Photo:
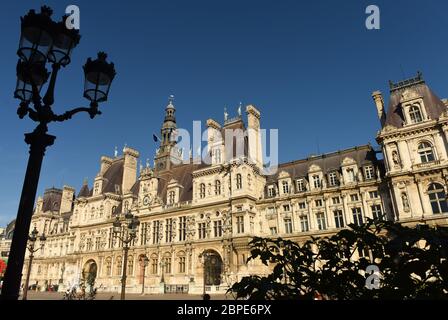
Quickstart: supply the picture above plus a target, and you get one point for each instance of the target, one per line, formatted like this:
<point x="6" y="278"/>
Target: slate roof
<point x="52" y="200"/>
<point x="362" y="155"/>
<point x="433" y="104"/>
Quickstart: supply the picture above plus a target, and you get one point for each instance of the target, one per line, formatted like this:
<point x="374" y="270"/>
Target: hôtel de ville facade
<point x="188" y="209"/>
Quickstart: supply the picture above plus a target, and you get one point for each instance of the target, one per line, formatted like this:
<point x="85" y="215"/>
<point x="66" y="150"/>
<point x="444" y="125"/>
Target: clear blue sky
<point x="309" y="67"/>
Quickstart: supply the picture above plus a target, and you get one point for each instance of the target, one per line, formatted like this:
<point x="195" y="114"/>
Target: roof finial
<point x="125" y="146"/>
<point x="147" y="162"/>
<point x="239" y="108"/>
<point x="226" y="115"/>
<point x="141" y="165"/>
<point x="85" y="181"/>
<point x="171" y="99"/>
<point x="115" y="152"/>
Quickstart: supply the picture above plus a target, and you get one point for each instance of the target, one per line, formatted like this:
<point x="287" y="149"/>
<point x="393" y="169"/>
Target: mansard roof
<point x="183" y="173"/>
<point x="84" y="192"/>
<point x="113" y="176"/>
<point x="433" y="104"/>
<point x="52" y="200"/>
<point x="328" y="162"/>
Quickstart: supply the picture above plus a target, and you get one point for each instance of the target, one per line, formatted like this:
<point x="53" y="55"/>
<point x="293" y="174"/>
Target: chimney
<point x="379" y="102"/>
<point x="129" y="169"/>
<point x="68" y="194"/>
<point x="214" y="140"/>
<point x="105" y="164"/>
<point x="254" y="135"/>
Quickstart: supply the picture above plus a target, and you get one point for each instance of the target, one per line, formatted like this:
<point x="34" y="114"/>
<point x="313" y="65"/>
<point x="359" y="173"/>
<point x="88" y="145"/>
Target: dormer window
<point x="300" y="185"/>
<point x="415" y="114"/>
<point x="351" y="175"/>
<point x="271" y="191"/>
<point x="217" y="187"/>
<point x="316" y="181"/>
<point x="368" y="172"/>
<point x="333" y="179"/>
<point x="425" y="151"/>
<point x="171" y="197"/>
<point x="285" y="186"/>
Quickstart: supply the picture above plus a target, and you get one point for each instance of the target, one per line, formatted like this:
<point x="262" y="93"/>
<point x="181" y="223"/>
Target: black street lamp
<point x="205" y="257"/>
<point x="32" y="238"/>
<point x="126" y="236"/>
<point x="144" y="261"/>
<point x="44" y="41"/>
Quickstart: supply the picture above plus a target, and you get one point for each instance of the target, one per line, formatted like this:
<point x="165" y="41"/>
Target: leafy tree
<point x="412" y="264"/>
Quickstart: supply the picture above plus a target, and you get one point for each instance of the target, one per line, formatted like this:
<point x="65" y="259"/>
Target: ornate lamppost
<point x="44" y="41"/>
<point x="32" y="238"/>
<point x="205" y="256"/>
<point x="144" y="261"/>
<point x="126" y="235"/>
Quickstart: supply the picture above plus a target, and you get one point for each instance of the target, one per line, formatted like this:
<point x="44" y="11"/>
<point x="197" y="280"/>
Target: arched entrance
<point x="212" y="268"/>
<point x="89" y="273"/>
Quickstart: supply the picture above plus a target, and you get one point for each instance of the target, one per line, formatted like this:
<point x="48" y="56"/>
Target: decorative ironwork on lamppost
<point x="44" y="41"/>
<point x="32" y="238"/>
<point x="144" y="261"/>
<point x="126" y="235"/>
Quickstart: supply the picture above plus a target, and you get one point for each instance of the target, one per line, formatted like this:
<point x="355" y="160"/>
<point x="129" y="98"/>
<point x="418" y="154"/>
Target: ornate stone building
<point x="191" y="208"/>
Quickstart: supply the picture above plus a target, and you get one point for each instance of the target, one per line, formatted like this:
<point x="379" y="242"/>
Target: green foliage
<point x="412" y="262"/>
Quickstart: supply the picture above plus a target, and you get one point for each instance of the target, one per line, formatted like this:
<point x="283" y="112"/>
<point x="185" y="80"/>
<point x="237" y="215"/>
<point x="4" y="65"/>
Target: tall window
<point x="415" y="114"/>
<point x="217" y="228"/>
<point x="108" y="266"/>
<point x="357" y="216"/>
<point x="351" y="175"/>
<point x="217" y="187"/>
<point x="118" y="266"/>
<point x="143" y="233"/>
<point x="288" y="225"/>
<point x="155" y="231"/>
<point x="154" y="263"/>
<point x="425" y="151"/>
<point x="182" y="228"/>
<point x="271" y="191"/>
<point x="202" y="230"/>
<point x="332" y="179"/>
<point x="239" y="181"/>
<point x="376" y="212"/>
<point x="171" y="196"/>
<point x="240" y="224"/>
<point x="217" y="155"/>
<point x="167" y="263"/>
<point x="437" y="198"/>
<point x="304" y="225"/>
<point x="300" y="185"/>
<point x="368" y="172"/>
<point x="285" y="186"/>
<point x="321" y="222"/>
<point x="316" y="181"/>
<point x="182" y="264"/>
<point x="130" y="269"/>
<point x="202" y="190"/>
<point x="169" y="230"/>
<point x="338" y="218"/>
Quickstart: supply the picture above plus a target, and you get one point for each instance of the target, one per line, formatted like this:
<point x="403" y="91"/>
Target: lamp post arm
<point x="92" y="111"/>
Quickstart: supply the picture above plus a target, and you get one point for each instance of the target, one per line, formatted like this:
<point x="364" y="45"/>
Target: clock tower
<point x="167" y="152"/>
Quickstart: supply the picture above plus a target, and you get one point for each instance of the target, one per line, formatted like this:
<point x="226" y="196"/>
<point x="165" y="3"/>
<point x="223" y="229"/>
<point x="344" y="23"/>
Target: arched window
<point x="249" y="180"/>
<point x="239" y="182"/>
<point x="108" y="266"/>
<point x="118" y="266"/>
<point x="217" y="187"/>
<point x="202" y="190"/>
<point x="425" y="151"/>
<point x="130" y="270"/>
<point x="437" y="198"/>
<point x="415" y="114"/>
